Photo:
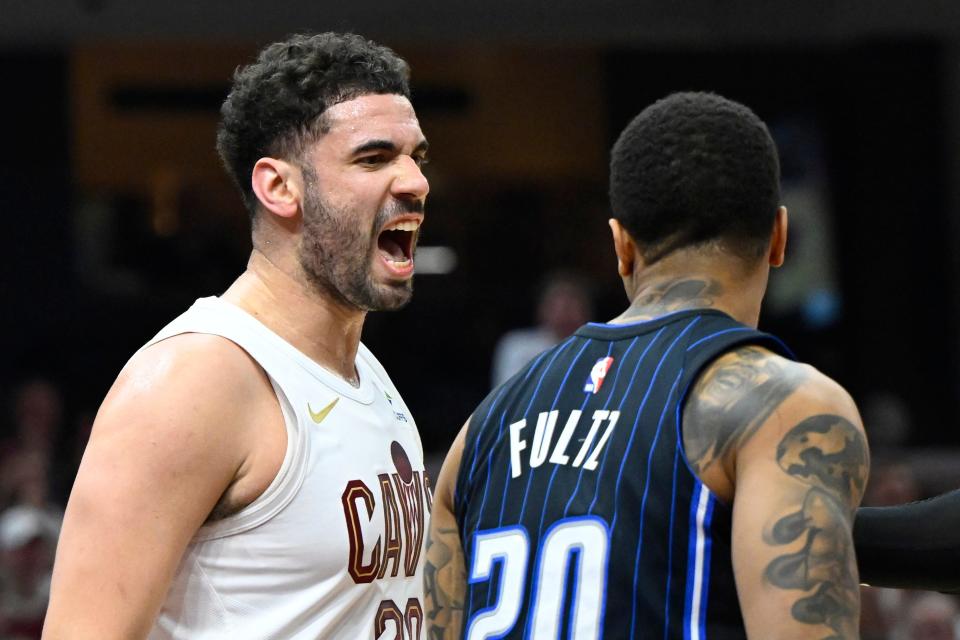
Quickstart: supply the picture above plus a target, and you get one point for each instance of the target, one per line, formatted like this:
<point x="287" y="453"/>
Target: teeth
<point x="404" y="225"/>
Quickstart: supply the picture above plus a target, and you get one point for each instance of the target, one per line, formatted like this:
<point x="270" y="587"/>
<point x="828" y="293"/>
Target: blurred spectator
<point x="30" y="517"/>
<point x="931" y="616"/>
<point x="28" y="462"/>
<point x="891" y="483"/>
<point x="28" y="538"/>
<point x="563" y="306"/>
<point x="874" y="624"/>
<point x="37" y="412"/>
<point x="887" y="420"/>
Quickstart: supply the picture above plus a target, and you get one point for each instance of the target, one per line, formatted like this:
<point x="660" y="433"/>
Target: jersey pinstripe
<point x="579" y="514"/>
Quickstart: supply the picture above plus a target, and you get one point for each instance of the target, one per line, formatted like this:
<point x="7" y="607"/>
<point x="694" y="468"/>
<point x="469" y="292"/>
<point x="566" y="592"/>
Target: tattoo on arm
<point x="731" y="401"/>
<point x="829" y="456"/>
<point x="444" y="581"/>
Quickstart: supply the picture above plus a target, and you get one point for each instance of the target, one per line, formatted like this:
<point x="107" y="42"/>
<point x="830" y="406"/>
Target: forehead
<point x="383" y="117"/>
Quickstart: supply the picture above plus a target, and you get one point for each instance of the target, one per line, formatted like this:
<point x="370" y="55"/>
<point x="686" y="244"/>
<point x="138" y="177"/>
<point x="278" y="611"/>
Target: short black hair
<point x="276" y="103"/>
<point x="694" y="168"/>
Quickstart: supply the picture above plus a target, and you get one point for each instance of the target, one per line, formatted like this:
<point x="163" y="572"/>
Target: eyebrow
<point x="387" y="145"/>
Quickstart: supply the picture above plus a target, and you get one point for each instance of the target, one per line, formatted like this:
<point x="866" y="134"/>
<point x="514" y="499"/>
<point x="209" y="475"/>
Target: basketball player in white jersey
<point x="253" y="473"/>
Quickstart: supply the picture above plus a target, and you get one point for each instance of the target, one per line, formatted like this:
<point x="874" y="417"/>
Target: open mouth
<point x="396" y="244"/>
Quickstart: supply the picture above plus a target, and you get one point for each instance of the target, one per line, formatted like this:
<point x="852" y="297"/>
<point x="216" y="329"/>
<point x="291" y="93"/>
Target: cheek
<point x="356" y="213"/>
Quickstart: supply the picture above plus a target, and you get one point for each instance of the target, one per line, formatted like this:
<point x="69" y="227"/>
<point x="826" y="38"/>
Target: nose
<point x="410" y="182"/>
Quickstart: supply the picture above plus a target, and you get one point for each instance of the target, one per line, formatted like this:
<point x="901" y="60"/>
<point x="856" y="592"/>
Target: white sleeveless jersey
<point x="332" y="548"/>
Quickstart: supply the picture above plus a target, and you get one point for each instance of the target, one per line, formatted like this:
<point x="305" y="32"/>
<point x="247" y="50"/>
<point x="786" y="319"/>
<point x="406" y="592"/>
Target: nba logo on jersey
<point x="597" y="374"/>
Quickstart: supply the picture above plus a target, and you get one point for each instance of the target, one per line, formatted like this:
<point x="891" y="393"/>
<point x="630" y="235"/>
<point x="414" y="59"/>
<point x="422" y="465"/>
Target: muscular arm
<point x="785" y="445"/>
<point x="167" y="443"/>
<point x="911" y="546"/>
<point x="444" y="576"/>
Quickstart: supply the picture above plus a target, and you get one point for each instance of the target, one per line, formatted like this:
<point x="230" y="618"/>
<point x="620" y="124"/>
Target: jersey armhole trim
<point x="281" y="490"/>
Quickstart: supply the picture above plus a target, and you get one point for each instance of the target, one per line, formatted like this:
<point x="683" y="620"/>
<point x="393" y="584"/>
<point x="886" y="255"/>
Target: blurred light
<point x="437" y="260"/>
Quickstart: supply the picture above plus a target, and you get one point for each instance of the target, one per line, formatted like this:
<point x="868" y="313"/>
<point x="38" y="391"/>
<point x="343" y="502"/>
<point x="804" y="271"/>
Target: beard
<point x="337" y="254"/>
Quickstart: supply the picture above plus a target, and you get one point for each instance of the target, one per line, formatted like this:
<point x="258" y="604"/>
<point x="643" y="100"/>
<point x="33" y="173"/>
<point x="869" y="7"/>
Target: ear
<point x="778" y="240"/>
<point x="278" y="186"/>
<point x="625" y="248"/>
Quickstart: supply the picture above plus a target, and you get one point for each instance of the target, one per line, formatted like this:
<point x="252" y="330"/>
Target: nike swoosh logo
<point x="323" y="413"/>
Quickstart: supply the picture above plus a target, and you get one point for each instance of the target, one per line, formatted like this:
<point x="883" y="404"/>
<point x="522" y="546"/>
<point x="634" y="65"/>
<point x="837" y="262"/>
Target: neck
<point x="698" y="284"/>
<point x="323" y="328"/>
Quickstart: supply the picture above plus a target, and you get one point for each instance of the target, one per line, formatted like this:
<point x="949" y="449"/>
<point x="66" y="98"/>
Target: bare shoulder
<point x="182" y="408"/>
<point x="817" y="438"/>
<point x="206" y="368"/>
<point x="173" y="440"/>
<point x="743" y="392"/>
<point x="732" y="398"/>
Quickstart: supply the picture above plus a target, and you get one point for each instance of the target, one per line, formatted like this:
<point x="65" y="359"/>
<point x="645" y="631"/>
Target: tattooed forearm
<point x="829" y="456"/>
<point x="444" y="582"/>
<point x="731" y="401"/>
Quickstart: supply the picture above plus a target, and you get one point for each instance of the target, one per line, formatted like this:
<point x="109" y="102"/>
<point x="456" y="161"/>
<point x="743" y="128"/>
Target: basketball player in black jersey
<point x="673" y="473"/>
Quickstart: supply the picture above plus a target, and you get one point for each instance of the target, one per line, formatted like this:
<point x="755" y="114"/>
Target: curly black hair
<point x="695" y="168"/>
<point x="276" y="103"/>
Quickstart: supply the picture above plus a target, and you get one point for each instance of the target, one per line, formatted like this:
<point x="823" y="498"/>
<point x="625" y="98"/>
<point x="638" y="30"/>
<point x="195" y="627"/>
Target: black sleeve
<point x="912" y="546"/>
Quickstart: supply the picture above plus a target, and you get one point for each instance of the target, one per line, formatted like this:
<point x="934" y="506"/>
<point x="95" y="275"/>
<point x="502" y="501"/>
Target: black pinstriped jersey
<point x="579" y="514"/>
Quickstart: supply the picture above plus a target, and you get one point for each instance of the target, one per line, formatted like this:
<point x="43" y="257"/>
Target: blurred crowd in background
<point x="39" y="454"/>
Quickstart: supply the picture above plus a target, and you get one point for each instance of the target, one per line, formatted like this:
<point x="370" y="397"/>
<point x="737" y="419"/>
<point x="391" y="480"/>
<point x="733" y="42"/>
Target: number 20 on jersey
<point x="579" y="543"/>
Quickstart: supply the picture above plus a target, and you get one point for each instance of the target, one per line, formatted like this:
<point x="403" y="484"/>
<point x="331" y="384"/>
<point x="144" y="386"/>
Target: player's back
<point x="579" y="514"/>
